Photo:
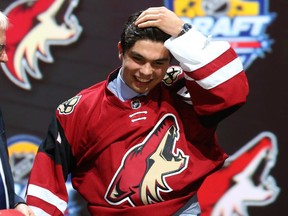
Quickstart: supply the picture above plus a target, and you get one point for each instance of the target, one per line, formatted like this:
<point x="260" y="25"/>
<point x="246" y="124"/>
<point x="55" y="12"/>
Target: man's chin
<point x="141" y="90"/>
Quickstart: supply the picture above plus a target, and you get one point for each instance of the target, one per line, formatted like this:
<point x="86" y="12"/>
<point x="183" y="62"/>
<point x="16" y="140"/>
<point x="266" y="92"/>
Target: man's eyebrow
<point x="136" y="54"/>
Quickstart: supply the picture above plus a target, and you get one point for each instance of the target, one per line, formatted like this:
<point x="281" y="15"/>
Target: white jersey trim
<point x="47" y="196"/>
<point x="221" y="75"/>
<point x="194" y="50"/>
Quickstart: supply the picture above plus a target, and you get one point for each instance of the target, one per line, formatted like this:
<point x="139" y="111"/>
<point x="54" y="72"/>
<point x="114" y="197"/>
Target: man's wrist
<point x="185" y="28"/>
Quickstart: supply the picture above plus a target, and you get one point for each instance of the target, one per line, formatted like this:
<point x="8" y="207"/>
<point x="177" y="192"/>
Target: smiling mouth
<point x="142" y="80"/>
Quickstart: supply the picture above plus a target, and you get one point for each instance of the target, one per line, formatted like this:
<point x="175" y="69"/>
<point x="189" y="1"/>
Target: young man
<point x="143" y="141"/>
<point x="8" y="198"/>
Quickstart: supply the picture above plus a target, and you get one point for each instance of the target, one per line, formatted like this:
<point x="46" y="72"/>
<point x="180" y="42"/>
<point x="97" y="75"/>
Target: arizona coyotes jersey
<point x="142" y="156"/>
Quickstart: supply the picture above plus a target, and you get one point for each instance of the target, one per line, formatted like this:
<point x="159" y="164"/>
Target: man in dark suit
<point x="8" y="198"/>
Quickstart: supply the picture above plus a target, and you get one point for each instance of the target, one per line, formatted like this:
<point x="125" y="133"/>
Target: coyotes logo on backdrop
<point x="141" y="177"/>
<point x="244" y="180"/>
<point x="34" y="27"/>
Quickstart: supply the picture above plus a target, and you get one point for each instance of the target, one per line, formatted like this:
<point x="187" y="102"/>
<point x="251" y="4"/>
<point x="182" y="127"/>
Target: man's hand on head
<point x="162" y="18"/>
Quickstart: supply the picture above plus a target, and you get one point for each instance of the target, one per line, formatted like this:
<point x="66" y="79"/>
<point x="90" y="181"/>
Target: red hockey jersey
<point x="145" y="155"/>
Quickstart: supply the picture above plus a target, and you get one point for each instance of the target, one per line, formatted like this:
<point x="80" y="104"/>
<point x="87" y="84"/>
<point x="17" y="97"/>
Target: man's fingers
<point x="152" y="13"/>
<point x="161" y="18"/>
<point x="147" y="17"/>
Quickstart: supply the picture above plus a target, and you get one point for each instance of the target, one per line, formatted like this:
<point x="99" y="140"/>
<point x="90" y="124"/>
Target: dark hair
<point x="131" y="33"/>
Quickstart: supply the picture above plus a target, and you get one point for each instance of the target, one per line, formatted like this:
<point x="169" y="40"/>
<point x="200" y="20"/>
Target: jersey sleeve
<point x="46" y="191"/>
<point x="214" y="74"/>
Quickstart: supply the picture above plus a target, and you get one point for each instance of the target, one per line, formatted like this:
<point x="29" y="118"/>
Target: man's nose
<point x="3" y="57"/>
<point x="146" y="69"/>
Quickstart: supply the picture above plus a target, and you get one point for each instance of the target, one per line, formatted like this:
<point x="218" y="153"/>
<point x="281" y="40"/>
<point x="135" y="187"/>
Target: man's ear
<point x="120" y="51"/>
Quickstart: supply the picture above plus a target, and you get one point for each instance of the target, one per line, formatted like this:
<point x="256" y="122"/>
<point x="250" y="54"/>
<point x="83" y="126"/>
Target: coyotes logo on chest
<point x="141" y="177"/>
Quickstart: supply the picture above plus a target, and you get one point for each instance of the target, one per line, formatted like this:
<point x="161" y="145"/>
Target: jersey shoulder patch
<point x="172" y="75"/>
<point x="68" y="106"/>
